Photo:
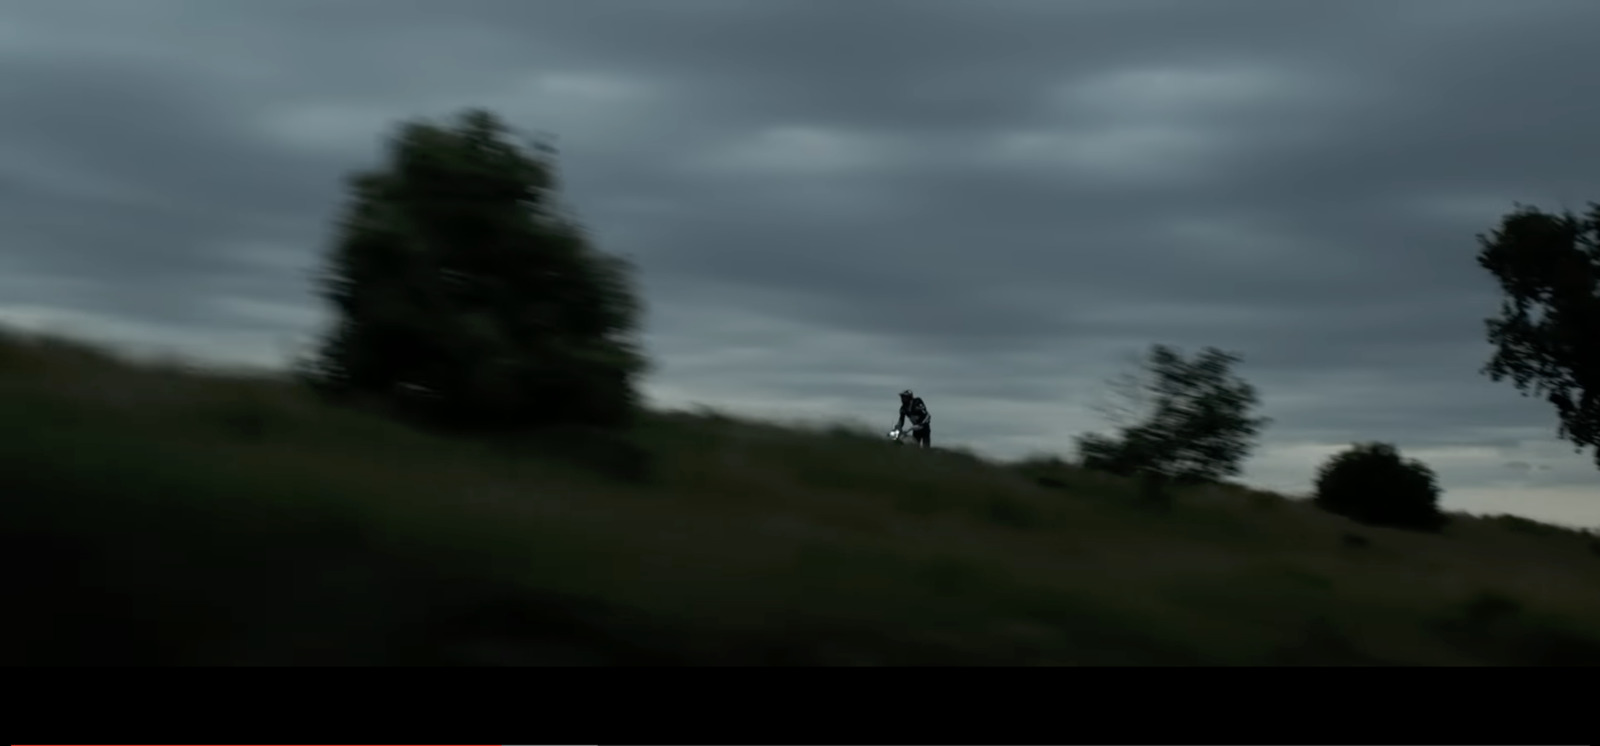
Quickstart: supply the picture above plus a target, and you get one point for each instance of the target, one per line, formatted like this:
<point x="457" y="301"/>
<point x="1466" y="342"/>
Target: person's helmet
<point x="906" y="394"/>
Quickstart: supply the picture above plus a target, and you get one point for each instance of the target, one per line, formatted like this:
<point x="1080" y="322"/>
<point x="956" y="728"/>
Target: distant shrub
<point x="1371" y="484"/>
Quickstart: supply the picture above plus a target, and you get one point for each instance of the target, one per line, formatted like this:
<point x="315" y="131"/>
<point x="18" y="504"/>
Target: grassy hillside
<point x="156" y="515"/>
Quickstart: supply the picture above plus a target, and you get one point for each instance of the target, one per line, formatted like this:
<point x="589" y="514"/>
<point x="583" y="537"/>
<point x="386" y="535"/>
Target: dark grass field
<point x="159" y="515"/>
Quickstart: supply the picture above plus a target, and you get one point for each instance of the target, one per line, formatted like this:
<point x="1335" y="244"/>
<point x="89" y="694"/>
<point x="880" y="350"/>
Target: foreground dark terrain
<point x="155" y="515"/>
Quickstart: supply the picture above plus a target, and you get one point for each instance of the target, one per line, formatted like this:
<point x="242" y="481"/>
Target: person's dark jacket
<point x="915" y="411"/>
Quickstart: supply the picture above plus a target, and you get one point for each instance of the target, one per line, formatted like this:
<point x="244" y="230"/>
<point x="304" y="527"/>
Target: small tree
<point x="1195" y="420"/>
<point x="464" y="295"/>
<point x="1371" y="484"/>
<point x="1548" y="333"/>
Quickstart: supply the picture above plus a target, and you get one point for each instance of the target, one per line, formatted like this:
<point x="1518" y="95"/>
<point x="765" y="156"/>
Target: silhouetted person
<point x="912" y="408"/>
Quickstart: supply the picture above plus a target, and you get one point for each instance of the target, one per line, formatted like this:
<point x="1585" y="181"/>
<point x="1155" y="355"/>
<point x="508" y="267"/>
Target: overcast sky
<point x="992" y="202"/>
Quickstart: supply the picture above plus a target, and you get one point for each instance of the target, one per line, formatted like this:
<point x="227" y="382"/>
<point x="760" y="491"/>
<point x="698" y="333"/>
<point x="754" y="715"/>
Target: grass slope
<point x="154" y="515"/>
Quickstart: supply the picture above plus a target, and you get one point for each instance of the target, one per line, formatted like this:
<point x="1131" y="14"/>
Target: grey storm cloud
<point x="994" y="202"/>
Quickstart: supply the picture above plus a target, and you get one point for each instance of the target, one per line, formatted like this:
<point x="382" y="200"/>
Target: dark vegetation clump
<point x="1371" y="484"/>
<point x="466" y="299"/>
<point x="1548" y="267"/>
<point x="1189" y="422"/>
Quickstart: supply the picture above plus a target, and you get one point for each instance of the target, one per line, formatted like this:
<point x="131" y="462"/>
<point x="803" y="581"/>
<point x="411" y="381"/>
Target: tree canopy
<point x="464" y="294"/>
<point x="1195" y="421"/>
<point x="1547" y="336"/>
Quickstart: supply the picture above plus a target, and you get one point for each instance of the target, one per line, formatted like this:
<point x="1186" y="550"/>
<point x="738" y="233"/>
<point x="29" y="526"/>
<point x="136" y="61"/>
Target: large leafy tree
<point x="1547" y="336"/>
<point x="1191" y="419"/>
<point x="463" y="294"/>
